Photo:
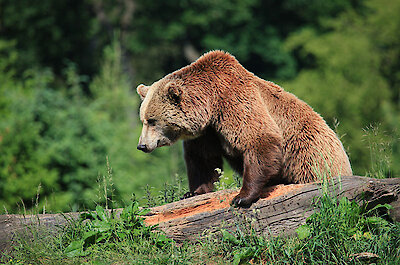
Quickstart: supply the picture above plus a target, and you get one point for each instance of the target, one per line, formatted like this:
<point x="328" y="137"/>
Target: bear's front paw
<point x="244" y="202"/>
<point x="188" y="195"/>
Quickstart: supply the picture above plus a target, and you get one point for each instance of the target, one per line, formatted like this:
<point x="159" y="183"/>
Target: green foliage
<point x="340" y="228"/>
<point x="380" y="150"/>
<point x="48" y="141"/>
<point x="104" y="236"/>
<point x="68" y="106"/>
<point x="343" y="78"/>
<point x="51" y="33"/>
<point x="23" y="164"/>
<point x="228" y="180"/>
<point x="244" y="246"/>
<point x="8" y="58"/>
<point x="68" y="72"/>
<point x="58" y="139"/>
<point x="102" y="226"/>
<point x="252" y="30"/>
<point x="335" y="233"/>
<point x="170" y="192"/>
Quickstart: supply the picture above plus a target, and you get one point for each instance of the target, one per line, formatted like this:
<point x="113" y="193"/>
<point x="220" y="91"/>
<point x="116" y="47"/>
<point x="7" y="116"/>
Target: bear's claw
<point x="188" y="195"/>
<point x="245" y="202"/>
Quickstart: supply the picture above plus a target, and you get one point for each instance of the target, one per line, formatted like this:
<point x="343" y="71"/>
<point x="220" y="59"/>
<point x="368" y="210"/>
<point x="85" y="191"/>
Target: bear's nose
<point x="142" y="147"/>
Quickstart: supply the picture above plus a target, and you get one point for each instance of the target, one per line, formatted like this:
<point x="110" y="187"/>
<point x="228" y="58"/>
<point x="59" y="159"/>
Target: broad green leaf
<point x="242" y="254"/>
<point x="303" y="231"/>
<point x="377" y="221"/>
<point x="387" y="206"/>
<point x="100" y="213"/>
<point x="229" y="237"/>
<point x="74" y="249"/>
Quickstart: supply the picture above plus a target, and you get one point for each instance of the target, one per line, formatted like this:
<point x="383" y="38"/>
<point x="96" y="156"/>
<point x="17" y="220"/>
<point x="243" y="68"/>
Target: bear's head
<point x="168" y="113"/>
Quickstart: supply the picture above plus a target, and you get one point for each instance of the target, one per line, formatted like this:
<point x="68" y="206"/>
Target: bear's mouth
<point x="163" y="142"/>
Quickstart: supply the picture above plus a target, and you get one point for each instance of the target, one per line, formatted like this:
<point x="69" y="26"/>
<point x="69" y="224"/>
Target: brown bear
<point x="221" y="110"/>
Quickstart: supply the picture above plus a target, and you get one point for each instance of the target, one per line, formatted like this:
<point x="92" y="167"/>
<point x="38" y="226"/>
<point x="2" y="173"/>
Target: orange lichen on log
<point x="207" y="205"/>
<point x="279" y="190"/>
<point x="214" y="203"/>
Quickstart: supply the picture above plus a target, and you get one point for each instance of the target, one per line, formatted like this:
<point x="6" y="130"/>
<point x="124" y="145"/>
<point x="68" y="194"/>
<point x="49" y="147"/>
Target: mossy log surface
<point x="282" y="209"/>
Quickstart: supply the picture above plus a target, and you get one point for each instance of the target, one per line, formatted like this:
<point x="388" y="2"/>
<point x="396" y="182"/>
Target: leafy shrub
<point x="341" y="228"/>
<point x="336" y="233"/>
<point x="102" y="226"/>
<point x="55" y="137"/>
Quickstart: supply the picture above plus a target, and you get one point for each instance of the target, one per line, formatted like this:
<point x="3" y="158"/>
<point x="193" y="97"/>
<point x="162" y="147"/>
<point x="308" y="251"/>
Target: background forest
<point x="69" y="69"/>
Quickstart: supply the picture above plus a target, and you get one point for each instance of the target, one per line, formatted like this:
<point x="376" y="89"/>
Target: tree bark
<point x="282" y="209"/>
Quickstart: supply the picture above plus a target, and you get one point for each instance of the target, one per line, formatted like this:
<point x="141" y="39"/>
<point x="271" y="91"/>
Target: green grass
<point x="338" y="230"/>
<point x="335" y="233"/>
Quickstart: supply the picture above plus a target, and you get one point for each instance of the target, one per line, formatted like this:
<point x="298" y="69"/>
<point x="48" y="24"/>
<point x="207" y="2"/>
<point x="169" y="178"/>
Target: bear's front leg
<point x="202" y="156"/>
<point x="259" y="169"/>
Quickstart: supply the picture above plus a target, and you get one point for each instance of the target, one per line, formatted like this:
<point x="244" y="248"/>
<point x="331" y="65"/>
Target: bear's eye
<point x="151" y="122"/>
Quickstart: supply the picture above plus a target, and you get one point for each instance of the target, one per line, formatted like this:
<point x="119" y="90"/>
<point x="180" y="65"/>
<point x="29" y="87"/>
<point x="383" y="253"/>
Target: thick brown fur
<point x="222" y="110"/>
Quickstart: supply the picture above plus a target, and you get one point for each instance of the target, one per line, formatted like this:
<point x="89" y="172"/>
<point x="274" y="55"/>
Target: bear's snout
<point x="143" y="147"/>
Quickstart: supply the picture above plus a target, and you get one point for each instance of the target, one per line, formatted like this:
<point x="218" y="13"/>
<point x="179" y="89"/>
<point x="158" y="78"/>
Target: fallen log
<point x="282" y="209"/>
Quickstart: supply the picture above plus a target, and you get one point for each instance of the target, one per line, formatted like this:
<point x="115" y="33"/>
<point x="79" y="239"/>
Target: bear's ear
<point x="142" y="91"/>
<point x="175" y="94"/>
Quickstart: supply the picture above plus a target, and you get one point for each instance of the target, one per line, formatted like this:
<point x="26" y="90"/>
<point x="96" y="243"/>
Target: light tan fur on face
<point x="164" y="131"/>
<point x="151" y="135"/>
<point x="145" y="95"/>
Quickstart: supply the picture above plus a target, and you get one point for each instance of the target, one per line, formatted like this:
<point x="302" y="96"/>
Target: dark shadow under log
<point x="282" y="209"/>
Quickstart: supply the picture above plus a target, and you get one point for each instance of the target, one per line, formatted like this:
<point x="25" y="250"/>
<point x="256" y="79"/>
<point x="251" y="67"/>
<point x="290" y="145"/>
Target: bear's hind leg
<point x="202" y="156"/>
